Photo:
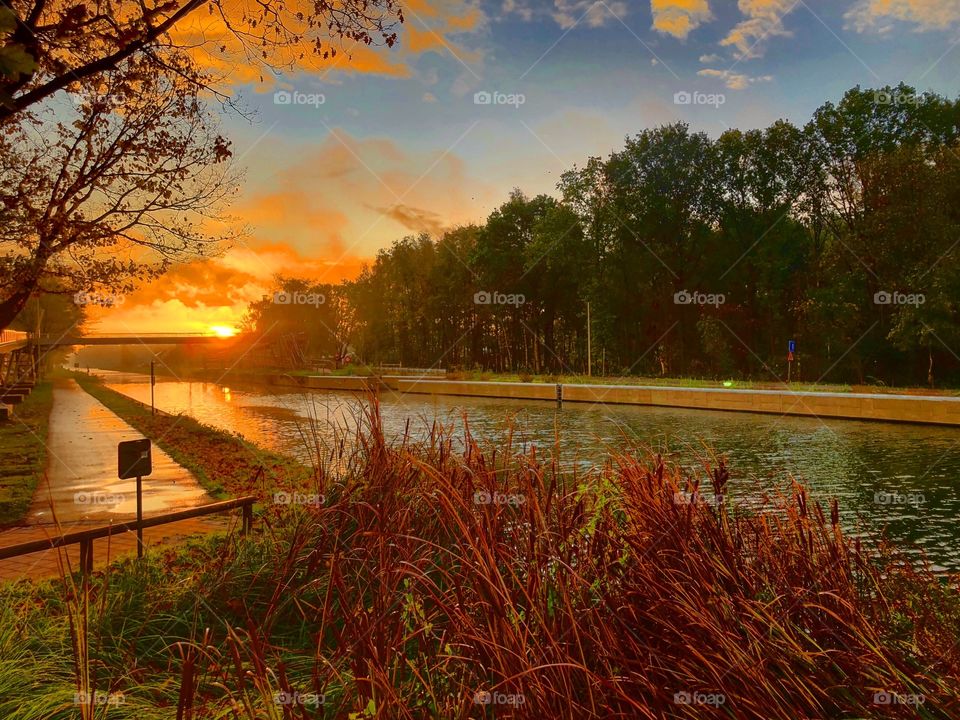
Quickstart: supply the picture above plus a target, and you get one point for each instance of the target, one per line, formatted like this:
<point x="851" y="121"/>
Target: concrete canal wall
<point x="851" y="406"/>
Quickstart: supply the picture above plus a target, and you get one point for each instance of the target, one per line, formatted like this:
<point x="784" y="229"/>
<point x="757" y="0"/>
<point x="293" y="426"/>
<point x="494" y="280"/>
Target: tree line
<point x="692" y="256"/>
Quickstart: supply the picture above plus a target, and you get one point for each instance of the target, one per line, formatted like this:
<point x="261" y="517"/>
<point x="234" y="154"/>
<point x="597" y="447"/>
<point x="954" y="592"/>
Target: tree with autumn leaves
<point x="112" y="165"/>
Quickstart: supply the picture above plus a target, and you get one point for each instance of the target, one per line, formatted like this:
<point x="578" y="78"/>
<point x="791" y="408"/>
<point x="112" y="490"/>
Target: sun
<point x="223" y="330"/>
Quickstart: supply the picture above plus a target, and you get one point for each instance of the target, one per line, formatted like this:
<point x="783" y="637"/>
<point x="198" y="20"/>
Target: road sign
<point x="792" y="346"/>
<point x="133" y="459"/>
<point x="790" y="357"/>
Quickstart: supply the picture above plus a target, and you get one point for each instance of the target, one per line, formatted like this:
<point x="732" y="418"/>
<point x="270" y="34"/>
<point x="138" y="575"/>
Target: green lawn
<point x="23" y="453"/>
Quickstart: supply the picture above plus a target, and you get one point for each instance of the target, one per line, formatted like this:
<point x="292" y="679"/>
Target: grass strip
<point x="225" y="464"/>
<point x="23" y="453"/>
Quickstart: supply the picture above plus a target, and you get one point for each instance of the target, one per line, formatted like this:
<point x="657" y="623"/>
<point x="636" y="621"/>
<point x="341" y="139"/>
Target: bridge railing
<point x="11" y="336"/>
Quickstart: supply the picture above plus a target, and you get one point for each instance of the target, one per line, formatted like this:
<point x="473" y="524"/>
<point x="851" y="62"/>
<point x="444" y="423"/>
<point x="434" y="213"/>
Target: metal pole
<point x="589" y="344"/>
<point x="153" y="381"/>
<point x="139" y="516"/>
<point x="789" y="368"/>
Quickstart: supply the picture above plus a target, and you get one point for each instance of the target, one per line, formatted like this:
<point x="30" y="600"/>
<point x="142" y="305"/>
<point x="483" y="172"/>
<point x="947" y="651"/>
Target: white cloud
<point x="679" y="17"/>
<point x="764" y="21"/>
<point x="735" y="81"/>
<point x="878" y="15"/>
<point x="710" y="59"/>
<point x="568" y="13"/>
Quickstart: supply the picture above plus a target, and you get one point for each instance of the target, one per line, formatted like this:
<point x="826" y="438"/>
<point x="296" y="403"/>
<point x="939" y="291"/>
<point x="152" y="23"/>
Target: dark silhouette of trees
<point x="843" y="235"/>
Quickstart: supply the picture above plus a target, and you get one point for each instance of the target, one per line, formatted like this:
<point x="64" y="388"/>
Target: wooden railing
<point x="85" y="538"/>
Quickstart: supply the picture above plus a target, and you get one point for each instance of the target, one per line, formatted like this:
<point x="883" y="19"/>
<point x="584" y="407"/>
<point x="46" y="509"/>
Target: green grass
<point x="225" y="464"/>
<point x="23" y="453"/>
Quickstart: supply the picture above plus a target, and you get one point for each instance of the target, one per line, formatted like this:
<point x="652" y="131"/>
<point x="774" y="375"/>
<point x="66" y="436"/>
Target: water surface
<point x="897" y="478"/>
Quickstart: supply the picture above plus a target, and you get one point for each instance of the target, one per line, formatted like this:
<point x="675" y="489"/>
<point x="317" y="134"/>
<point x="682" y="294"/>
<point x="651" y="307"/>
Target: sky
<point x="343" y="157"/>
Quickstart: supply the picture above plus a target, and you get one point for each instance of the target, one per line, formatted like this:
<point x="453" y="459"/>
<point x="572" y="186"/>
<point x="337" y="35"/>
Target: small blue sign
<point x="792" y="345"/>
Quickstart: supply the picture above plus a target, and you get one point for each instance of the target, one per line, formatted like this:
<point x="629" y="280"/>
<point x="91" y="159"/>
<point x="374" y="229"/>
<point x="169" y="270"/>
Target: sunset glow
<point x="223" y="331"/>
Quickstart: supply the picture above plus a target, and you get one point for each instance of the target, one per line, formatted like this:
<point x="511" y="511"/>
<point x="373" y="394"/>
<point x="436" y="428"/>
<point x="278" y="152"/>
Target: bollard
<point x="559" y="395"/>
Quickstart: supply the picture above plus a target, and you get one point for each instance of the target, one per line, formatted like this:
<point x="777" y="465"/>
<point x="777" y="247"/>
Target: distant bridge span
<point x="51" y="341"/>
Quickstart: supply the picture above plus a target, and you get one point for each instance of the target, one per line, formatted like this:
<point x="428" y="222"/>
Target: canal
<point x="897" y="479"/>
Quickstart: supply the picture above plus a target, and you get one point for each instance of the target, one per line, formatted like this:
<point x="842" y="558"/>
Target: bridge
<point x="48" y="342"/>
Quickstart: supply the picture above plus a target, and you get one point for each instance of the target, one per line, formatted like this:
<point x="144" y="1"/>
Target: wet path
<point x="81" y="488"/>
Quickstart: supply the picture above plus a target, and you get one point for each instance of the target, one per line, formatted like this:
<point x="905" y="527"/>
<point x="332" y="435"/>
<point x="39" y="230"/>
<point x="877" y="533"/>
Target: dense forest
<point x="697" y="256"/>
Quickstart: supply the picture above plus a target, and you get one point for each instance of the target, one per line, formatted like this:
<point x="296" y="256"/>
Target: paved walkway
<point x="81" y="489"/>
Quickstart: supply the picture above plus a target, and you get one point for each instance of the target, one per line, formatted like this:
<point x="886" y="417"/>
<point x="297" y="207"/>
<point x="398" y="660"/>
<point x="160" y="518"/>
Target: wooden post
<point x="86" y="557"/>
<point x="139" y="516"/>
<point x="247" y="518"/>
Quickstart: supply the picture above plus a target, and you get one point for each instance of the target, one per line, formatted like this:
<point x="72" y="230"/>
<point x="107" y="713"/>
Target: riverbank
<point x="23" y="453"/>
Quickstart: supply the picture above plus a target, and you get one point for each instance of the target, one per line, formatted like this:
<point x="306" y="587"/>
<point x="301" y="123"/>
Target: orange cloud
<point x="925" y="14"/>
<point x="430" y="26"/>
<point x="319" y="212"/>
<point x="679" y="17"/>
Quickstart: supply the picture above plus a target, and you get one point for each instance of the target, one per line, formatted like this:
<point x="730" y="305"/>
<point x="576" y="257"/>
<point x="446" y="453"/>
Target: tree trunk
<point x="11" y="307"/>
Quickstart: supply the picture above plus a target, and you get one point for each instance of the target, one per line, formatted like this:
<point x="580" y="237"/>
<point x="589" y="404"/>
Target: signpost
<point x="153" y="381"/>
<point x="791" y="349"/>
<point x="134" y="461"/>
